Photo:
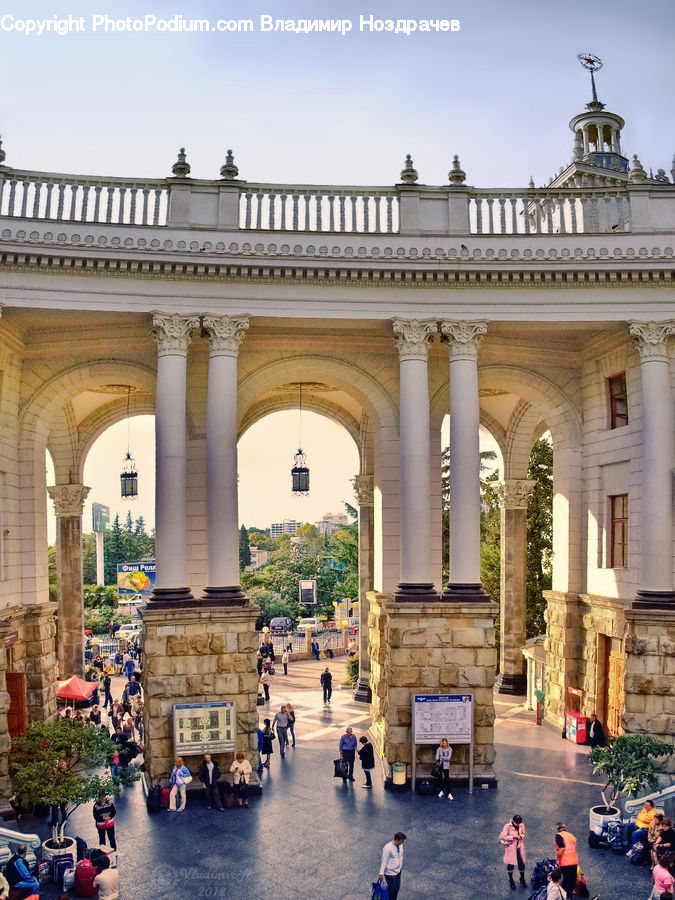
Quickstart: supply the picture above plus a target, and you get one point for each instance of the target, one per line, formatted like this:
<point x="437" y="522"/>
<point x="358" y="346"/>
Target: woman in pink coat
<point x="513" y="839"/>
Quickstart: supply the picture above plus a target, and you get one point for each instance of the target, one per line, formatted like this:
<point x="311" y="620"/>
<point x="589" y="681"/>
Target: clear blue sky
<point x="323" y="108"/>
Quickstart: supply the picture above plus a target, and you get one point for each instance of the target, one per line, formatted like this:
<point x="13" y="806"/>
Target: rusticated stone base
<point x="194" y="655"/>
<point x="40" y="666"/>
<point x="431" y="648"/>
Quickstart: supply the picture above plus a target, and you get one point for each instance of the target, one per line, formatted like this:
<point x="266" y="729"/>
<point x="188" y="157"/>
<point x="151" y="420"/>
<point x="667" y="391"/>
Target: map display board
<point x="436" y="716"/>
<point x="204" y="727"/>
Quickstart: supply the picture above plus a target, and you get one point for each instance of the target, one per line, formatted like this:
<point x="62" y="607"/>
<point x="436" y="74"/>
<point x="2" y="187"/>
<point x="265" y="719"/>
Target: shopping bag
<point x="380" y="890"/>
<point x="337" y="767"/>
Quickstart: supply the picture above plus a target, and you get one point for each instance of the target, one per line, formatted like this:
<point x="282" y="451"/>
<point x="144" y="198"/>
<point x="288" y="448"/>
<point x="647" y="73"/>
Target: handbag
<point x="187" y="779"/>
<point x="437" y="770"/>
<point x="380" y="890"/>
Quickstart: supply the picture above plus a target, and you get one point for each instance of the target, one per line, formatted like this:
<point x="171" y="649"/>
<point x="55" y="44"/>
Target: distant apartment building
<point x="259" y="558"/>
<point x="288" y="526"/>
<point x="332" y="522"/>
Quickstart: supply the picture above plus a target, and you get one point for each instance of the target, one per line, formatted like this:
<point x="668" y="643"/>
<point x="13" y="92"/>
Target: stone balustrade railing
<point x="404" y="209"/>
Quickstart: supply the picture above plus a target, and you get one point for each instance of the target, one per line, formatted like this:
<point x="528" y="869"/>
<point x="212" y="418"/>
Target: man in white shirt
<point x="108" y="882"/>
<point x="392" y="863"/>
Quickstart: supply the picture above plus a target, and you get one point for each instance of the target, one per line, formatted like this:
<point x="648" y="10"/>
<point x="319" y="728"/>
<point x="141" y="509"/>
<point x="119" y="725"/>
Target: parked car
<point x="128" y="632"/>
<point x="311" y="623"/>
<point x="281" y="625"/>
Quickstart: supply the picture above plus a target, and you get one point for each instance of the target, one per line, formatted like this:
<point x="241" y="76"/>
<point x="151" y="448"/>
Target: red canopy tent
<point x="75" y="689"/>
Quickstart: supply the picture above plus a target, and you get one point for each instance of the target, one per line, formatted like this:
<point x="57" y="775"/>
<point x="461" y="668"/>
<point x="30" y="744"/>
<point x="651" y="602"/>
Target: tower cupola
<point x="597" y="132"/>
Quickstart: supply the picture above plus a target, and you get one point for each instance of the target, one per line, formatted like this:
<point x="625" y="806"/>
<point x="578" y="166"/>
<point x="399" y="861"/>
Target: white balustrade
<point x="312" y="208"/>
<point x="549" y="211"/>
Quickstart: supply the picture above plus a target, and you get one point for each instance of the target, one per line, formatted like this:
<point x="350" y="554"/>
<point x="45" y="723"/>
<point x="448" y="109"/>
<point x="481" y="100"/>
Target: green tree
<point x="260" y="539"/>
<point x="129" y="523"/>
<point x="244" y="549"/>
<point x="539" y="535"/>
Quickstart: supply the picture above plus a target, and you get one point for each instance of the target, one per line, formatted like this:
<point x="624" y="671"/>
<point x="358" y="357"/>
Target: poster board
<point x="135" y="581"/>
<point x="204" y="727"/>
<point x="437" y="716"/>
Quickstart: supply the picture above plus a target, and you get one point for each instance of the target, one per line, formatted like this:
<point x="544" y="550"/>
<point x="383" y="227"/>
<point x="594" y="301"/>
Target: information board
<point x="437" y="716"/>
<point x="135" y="580"/>
<point x="204" y="727"/>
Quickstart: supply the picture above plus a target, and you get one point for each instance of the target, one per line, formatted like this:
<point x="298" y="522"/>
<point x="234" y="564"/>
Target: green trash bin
<point x="399" y="773"/>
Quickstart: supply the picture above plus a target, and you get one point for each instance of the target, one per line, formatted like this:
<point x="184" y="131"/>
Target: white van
<point x="310" y="624"/>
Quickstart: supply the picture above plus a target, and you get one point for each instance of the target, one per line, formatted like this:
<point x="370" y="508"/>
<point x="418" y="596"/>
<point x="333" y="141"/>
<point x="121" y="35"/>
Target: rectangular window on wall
<point x="618" y="543"/>
<point x="618" y="400"/>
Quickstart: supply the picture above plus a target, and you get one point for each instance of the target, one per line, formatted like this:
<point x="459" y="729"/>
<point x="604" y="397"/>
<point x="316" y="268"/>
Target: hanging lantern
<point x="300" y="474"/>
<point x="129" y="478"/>
<point x="129" y="475"/>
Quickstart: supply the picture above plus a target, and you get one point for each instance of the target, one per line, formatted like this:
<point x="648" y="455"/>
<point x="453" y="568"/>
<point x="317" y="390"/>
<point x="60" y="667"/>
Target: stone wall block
<point x="226" y="685"/>
<point x="469" y="637"/>
<point x="472" y="676"/>
<point x="224" y="663"/>
<point x="177" y="645"/>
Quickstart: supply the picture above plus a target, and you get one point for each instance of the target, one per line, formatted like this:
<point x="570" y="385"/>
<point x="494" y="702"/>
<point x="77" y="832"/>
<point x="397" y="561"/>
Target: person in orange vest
<point x="566" y="857"/>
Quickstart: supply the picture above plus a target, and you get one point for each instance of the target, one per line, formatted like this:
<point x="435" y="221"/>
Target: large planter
<point x="600" y="816"/>
<point x="67" y="845"/>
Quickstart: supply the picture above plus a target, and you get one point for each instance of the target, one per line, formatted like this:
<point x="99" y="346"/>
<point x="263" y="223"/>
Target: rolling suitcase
<point x="154" y="799"/>
<point x="59" y="865"/>
<point x="84" y="879"/>
<point x="166" y="794"/>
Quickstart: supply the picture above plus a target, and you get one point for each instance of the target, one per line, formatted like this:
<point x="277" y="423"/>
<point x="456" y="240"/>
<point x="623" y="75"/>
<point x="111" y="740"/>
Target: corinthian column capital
<point x="412" y="337"/>
<point x="514" y="493"/>
<point x="68" y="498"/>
<point x="225" y="333"/>
<point x="364" y="489"/>
<point x="650" y="339"/>
<point x="172" y="331"/>
<point x="464" y="338"/>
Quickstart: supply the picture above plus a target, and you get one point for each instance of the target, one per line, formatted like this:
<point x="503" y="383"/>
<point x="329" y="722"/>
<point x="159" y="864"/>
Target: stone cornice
<point x="412" y="337"/>
<point x="650" y="339"/>
<point x="173" y="332"/>
<point x="68" y="498"/>
<point x="225" y="333"/>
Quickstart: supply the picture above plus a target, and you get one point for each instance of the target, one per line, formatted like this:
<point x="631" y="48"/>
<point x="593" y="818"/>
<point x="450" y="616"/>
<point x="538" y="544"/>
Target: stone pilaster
<point x="650" y="675"/>
<point x="194" y="655"/>
<point x="364" y="490"/>
<point x="38" y="633"/>
<point x="464" y="339"/>
<point x="172" y="333"/>
<point x="412" y="339"/>
<point x="513" y="496"/>
<point x="5" y="741"/>
<point x="564" y="650"/>
<point x="658" y="446"/>
<point x="432" y="648"/>
<point x="68" y="505"/>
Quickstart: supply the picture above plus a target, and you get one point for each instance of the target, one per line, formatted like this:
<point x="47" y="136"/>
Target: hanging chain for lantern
<point x="300" y="472"/>
<point x="129" y="475"/>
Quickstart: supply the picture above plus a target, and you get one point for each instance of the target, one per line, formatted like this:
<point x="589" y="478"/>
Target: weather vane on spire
<point x="593" y="64"/>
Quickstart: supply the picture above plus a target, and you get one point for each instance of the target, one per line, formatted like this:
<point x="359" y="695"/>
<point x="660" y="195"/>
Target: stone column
<point x="225" y="334"/>
<point x="5" y="740"/>
<point x="68" y="505"/>
<point x="363" y="486"/>
<point x="513" y="496"/>
<point x="658" y="443"/>
<point x="464" y="339"/>
<point x="412" y="338"/>
<point x="172" y="333"/>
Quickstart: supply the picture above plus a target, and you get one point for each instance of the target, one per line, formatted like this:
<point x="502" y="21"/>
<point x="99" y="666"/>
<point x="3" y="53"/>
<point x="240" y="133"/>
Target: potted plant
<point x="61" y="764"/>
<point x="628" y="764"/>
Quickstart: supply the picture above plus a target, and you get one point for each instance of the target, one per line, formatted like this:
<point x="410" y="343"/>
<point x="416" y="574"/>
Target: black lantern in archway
<point x="300" y="472"/>
<point x="129" y="475"/>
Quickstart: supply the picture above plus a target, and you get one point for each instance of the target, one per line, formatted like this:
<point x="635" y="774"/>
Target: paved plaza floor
<point x="308" y="836"/>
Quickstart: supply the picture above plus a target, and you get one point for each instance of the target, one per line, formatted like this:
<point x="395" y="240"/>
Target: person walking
<point x="391" y="864"/>
<point x="367" y="757"/>
<point x="290" y="712"/>
<point x="566" y="857"/>
<point x="513" y="839"/>
<point x="104" y="816"/>
<point x="267" y="737"/>
<point x="137" y="710"/>
<point x="265" y="681"/>
<point x="327" y="684"/>
<point x="106" y="691"/>
<point x="443" y="757"/>
<point x="280" y="722"/>
<point x="209" y="774"/>
<point x="180" y="778"/>
<point x="348" y="754"/>
<point x="241" y="775"/>
<point x="285" y="656"/>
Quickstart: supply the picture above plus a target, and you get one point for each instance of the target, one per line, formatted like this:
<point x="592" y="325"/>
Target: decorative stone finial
<point x="181" y="168"/>
<point x="637" y="173"/>
<point x="578" y="148"/>
<point x="456" y="175"/>
<point x="530" y="183"/>
<point x="409" y="172"/>
<point x="229" y="171"/>
<point x="3" y="155"/>
<point x="672" y="170"/>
